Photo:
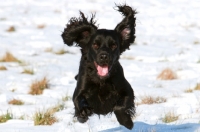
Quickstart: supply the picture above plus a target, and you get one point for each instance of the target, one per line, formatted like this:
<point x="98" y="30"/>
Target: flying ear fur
<point x="79" y="30"/>
<point x="126" y="28"/>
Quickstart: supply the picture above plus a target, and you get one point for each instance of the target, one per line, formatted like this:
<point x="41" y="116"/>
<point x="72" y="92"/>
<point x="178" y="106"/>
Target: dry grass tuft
<point x="16" y="102"/>
<point x="170" y="117"/>
<point x="45" y="117"/>
<point x="196" y="42"/>
<point x="37" y="87"/>
<point x="188" y="90"/>
<point x="11" y="29"/>
<point x="152" y="100"/>
<point x="28" y="71"/>
<point x="167" y="74"/>
<point x="66" y="98"/>
<point x="23" y="63"/>
<point x="6" y="117"/>
<point x="41" y="26"/>
<point x="61" y="52"/>
<point x="3" y="68"/>
<point x="197" y="87"/>
<point x="13" y="90"/>
<point x="48" y="50"/>
<point x="8" y="57"/>
<point x="128" y="57"/>
<point x="58" y="107"/>
<point x="22" y="117"/>
<point x="58" y="52"/>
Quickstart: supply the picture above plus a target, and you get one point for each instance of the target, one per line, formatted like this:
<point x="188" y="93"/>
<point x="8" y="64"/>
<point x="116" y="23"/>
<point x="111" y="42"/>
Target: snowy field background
<point x="168" y="36"/>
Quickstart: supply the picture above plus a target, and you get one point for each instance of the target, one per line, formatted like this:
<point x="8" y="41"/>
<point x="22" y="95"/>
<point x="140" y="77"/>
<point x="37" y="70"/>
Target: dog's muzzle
<point x="102" y="65"/>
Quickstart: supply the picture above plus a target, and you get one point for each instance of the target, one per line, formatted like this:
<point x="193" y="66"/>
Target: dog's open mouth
<point x="102" y="70"/>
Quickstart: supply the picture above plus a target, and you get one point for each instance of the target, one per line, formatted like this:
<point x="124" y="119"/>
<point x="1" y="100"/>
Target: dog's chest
<point x="102" y="91"/>
<point x="102" y="98"/>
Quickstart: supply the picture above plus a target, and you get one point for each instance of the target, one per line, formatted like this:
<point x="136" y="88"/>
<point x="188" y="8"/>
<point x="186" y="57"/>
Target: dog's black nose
<point x="104" y="57"/>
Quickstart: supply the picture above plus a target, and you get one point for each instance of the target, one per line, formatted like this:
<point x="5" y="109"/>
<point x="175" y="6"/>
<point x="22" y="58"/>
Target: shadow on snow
<point x="143" y="127"/>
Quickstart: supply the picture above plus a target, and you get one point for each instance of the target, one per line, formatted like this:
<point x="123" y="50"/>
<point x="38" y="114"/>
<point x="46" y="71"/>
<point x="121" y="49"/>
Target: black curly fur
<point x="127" y="22"/>
<point x="79" y="30"/>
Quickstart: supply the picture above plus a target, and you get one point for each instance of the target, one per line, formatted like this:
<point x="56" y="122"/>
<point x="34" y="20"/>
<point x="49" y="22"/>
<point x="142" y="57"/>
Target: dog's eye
<point x="95" y="46"/>
<point x="113" y="46"/>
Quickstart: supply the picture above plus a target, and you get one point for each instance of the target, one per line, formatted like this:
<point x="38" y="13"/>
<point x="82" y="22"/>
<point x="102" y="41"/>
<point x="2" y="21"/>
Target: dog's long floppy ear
<point x="126" y="28"/>
<point x="79" y="30"/>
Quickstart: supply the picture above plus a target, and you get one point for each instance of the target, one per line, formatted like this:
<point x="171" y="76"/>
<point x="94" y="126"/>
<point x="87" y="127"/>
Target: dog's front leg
<point x="82" y="108"/>
<point x="124" y="108"/>
<point x="126" y="97"/>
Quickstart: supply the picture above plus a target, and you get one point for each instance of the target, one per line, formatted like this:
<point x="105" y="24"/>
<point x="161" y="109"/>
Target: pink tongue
<point x="102" y="71"/>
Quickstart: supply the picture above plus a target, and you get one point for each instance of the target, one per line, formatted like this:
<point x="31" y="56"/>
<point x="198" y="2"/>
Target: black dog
<point x="101" y="85"/>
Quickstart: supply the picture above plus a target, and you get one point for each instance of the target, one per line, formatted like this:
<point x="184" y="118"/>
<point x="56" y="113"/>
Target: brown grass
<point x="152" y="100"/>
<point x="61" y="52"/>
<point x="11" y="29"/>
<point x="3" y="68"/>
<point x="28" y="71"/>
<point x="58" y="52"/>
<point x="45" y="117"/>
<point x="197" y="87"/>
<point x="41" y="26"/>
<point x="170" y="117"/>
<point x="58" y="107"/>
<point x="37" y="87"/>
<point x="188" y="90"/>
<point x="48" y="50"/>
<point x="128" y="57"/>
<point x="167" y="74"/>
<point x="12" y="90"/>
<point x="8" y="57"/>
<point x="196" y="42"/>
<point x="66" y="98"/>
<point x="22" y="117"/>
<point x="16" y="102"/>
<point x="6" y="117"/>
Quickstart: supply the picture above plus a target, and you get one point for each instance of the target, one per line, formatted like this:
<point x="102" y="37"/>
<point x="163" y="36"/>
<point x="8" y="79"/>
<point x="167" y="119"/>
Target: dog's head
<point x="103" y="47"/>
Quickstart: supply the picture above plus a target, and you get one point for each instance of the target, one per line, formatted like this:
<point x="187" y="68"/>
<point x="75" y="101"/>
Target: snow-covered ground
<point x="168" y="36"/>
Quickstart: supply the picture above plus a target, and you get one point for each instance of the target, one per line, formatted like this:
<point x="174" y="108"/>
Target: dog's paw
<point x="82" y="119"/>
<point x="86" y="111"/>
<point x="127" y="121"/>
<point x="128" y="124"/>
<point x="124" y="118"/>
<point x="83" y="113"/>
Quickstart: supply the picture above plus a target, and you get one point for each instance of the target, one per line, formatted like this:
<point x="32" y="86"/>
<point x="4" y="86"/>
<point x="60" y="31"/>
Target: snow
<point x="168" y="36"/>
